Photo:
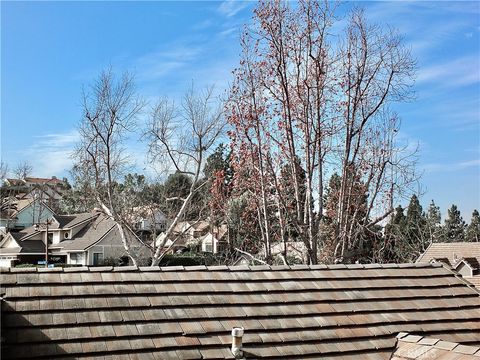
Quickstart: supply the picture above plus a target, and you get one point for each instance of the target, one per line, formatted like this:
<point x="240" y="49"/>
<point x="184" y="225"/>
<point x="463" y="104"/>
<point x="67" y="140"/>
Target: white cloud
<point x="170" y="58"/>
<point x="51" y="154"/>
<point x="450" y="167"/>
<point x="230" y="8"/>
<point x="458" y="72"/>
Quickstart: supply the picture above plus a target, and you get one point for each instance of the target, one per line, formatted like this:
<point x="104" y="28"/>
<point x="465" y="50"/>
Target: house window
<point x="97" y="258"/>
<point x="208" y="247"/>
<point x="50" y="238"/>
<point x="76" y="258"/>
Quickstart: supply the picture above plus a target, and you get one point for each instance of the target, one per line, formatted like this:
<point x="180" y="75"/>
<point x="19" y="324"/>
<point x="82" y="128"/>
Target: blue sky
<point x="50" y="49"/>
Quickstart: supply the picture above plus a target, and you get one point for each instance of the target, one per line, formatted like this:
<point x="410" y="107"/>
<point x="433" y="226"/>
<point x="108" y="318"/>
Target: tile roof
<point x="474" y="280"/>
<point x="472" y="262"/>
<point x="412" y="347"/>
<point x="448" y="250"/>
<point x="347" y="311"/>
<point x="37" y="180"/>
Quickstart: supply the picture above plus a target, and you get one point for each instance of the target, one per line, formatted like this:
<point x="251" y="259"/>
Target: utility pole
<point x="38" y="227"/>
<point x="46" y="245"/>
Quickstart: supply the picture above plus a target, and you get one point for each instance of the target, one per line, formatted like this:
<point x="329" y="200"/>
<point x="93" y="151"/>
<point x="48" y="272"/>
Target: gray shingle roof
<point x="90" y="234"/>
<point x="300" y="312"/>
<point x="69" y="221"/>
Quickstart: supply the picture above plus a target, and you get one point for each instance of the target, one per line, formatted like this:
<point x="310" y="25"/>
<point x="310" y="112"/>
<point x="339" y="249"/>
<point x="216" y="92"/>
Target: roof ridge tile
<point x="125" y="268"/>
<point x="100" y="268"/>
<point x="239" y="268"/>
<point x="172" y="268"/>
<point x="76" y="269"/>
<point x="49" y="270"/>
<point x="265" y="267"/>
<point x="337" y="266"/>
<point x="217" y="268"/>
<point x="195" y="268"/>
<point x="23" y="270"/>
<point x="260" y="267"/>
<point x="318" y="267"/>
<point x="149" y="268"/>
<point x="280" y="267"/>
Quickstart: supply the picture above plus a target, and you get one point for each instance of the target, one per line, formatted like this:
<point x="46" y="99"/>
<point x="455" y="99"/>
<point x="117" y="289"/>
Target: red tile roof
<point x="299" y="312"/>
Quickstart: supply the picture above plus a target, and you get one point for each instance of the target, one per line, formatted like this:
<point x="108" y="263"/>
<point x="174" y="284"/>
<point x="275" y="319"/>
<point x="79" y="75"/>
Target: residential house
<point x="21" y="214"/>
<point x="463" y="257"/>
<point x="301" y="312"/>
<point x="79" y="239"/>
<point x="49" y="190"/>
<point x="185" y="234"/>
<point x="148" y="219"/>
<point x="215" y="240"/>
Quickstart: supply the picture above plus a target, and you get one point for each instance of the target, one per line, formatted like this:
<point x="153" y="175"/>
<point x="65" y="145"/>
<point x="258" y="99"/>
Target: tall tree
<point x="22" y="170"/>
<point x="297" y="95"/>
<point x="473" y="230"/>
<point x="3" y="171"/>
<point x="110" y="110"/>
<point x="433" y="226"/>
<point x="393" y="250"/>
<point x="180" y="138"/>
<point x="415" y="241"/>
<point x="454" y="227"/>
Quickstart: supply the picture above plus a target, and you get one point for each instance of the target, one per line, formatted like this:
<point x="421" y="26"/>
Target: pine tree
<point x="433" y="228"/>
<point x="394" y="234"/>
<point x="415" y="220"/>
<point x="473" y="230"/>
<point x="454" y="228"/>
<point x="414" y="242"/>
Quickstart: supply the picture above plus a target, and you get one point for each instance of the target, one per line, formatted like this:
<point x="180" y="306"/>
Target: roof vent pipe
<point x="237" y="334"/>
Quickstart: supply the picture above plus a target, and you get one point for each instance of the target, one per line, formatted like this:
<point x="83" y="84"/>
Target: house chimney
<point x="237" y="334"/>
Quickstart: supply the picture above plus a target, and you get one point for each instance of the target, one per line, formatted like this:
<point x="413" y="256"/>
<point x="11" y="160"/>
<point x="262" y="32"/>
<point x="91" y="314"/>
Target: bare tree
<point x="22" y="170"/>
<point x="180" y="139"/>
<point x="110" y="110"/>
<point x="3" y="170"/>
<point x="375" y="70"/>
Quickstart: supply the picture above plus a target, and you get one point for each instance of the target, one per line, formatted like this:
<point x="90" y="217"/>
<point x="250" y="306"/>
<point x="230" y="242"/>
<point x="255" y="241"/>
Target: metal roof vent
<point x="237" y="334"/>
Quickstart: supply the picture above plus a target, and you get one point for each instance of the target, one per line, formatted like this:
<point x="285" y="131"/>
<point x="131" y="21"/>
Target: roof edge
<point x="225" y="268"/>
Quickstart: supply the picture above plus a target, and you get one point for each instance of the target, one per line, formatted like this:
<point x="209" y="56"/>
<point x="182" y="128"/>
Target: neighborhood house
<point x="78" y="239"/>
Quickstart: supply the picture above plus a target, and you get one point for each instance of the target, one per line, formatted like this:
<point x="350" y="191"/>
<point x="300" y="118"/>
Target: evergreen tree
<point x="394" y="234"/>
<point x="454" y="228"/>
<point x="433" y="228"/>
<point x="416" y="241"/>
<point x="177" y="186"/>
<point x="473" y="230"/>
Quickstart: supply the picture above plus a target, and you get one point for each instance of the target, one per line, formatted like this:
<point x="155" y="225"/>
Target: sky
<point x="50" y="50"/>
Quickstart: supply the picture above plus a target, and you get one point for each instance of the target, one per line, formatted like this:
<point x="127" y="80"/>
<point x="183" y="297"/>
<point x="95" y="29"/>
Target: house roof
<point x="474" y="280"/>
<point x="38" y="180"/>
<point x="299" y="312"/>
<point x="470" y="261"/>
<point x="69" y="221"/>
<point x="89" y="235"/>
<point x="21" y="204"/>
<point x="413" y="347"/>
<point x="451" y="250"/>
<point x="24" y="246"/>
